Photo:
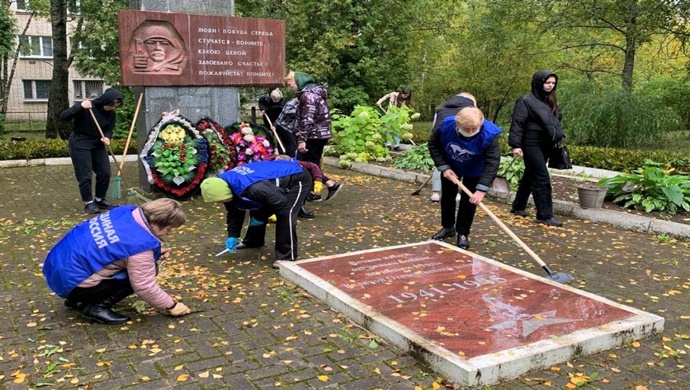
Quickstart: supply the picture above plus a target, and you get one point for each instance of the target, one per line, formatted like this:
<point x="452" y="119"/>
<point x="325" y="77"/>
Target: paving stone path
<point x="254" y="330"/>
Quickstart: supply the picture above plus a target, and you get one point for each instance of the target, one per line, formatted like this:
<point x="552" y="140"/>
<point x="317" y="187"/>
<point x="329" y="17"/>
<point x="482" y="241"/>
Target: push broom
<point x="117" y="192"/>
<point x="559" y="277"/>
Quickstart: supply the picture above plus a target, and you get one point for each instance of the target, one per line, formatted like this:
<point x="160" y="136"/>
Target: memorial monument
<point x="474" y="320"/>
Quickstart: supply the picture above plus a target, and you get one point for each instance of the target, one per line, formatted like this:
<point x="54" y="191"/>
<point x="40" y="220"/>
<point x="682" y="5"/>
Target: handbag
<point x="560" y="158"/>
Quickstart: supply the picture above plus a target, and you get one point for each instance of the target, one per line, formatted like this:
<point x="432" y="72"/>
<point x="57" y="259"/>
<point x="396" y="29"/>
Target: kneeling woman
<point x="105" y="259"/>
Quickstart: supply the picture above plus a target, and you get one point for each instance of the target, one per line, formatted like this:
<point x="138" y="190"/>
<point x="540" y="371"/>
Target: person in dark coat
<point x="264" y="188"/>
<point x="466" y="147"/>
<point x="272" y="106"/>
<point x="534" y="131"/>
<point x="449" y="108"/>
<point x="312" y="125"/>
<point x="88" y="149"/>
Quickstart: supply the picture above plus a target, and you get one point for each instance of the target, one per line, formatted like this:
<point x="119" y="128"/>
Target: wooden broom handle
<point x="131" y="130"/>
<point x="275" y="133"/>
<point x="502" y="225"/>
<point x="100" y="131"/>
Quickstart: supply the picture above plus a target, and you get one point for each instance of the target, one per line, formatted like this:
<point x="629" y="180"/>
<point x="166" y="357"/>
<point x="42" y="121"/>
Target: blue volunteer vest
<point x="465" y="156"/>
<point x="239" y="178"/>
<point x="93" y="244"/>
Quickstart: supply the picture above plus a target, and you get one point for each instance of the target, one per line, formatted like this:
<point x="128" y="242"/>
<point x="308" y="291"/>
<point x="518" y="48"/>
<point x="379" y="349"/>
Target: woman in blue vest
<point x="264" y="188"/>
<point x="464" y="147"/>
<point x="105" y="259"/>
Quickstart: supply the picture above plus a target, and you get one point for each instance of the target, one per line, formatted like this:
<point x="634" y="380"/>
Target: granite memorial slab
<point x="475" y="320"/>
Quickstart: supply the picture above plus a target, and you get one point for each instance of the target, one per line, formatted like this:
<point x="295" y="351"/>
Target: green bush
<point x="49" y="148"/>
<point x="2" y="125"/>
<point x="623" y="160"/>
<point x="362" y="136"/>
<point x="650" y="188"/>
<point x="608" y="117"/>
<point x="417" y="158"/>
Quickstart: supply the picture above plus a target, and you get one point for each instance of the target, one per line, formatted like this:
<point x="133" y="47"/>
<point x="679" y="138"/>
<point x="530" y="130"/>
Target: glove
<point x="255" y="222"/>
<point x="231" y="244"/>
<point x="179" y="309"/>
<point x="318" y="186"/>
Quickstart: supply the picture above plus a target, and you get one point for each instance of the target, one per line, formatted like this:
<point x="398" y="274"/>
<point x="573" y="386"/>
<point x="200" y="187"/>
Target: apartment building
<point x="28" y="98"/>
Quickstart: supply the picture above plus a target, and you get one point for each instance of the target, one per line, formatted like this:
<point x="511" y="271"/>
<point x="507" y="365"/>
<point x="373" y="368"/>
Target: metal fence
<point x="25" y="121"/>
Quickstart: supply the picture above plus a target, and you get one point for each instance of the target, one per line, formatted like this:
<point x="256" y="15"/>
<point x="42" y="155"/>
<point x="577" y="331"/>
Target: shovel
<point x="559" y="277"/>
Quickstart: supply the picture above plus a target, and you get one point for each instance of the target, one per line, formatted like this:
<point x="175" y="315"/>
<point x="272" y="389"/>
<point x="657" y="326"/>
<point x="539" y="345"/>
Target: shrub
<point x="650" y="188"/>
<point x="362" y="136"/>
<point x="49" y="148"/>
<point x="417" y="158"/>
<point x="608" y="117"/>
<point x="2" y="125"/>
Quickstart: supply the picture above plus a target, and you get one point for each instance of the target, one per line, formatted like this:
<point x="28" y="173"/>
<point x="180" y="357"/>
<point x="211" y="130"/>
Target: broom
<point x="115" y="193"/>
<point x="131" y="192"/>
<point x="116" y="182"/>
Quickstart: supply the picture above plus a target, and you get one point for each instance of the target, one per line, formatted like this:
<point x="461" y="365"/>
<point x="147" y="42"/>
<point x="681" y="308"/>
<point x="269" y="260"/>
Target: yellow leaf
<point x="614" y="369"/>
<point x="636" y="344"/>
<point x="182" y="377"/>
<point x="640" y="387"/>
<point x="555" y="369"/>
<point x="100" y="350"/>
<point x="436" y="386"/>
<point x="204" y="374"/>
<point x="178" y="368"/>
<point x="145" y="378"/>
<point x="31" y="324"/>
<point x="323" y="378"/>
<point x="570" y="386"/>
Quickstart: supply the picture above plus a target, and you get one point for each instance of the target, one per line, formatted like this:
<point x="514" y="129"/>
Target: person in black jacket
<point x="87" y="147"/>
<point x="450" y="108"/>
<point x="465" y="147"/>
<point x="534" y="130"/>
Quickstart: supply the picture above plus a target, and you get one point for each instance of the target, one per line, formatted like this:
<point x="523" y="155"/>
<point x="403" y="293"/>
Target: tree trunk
<point x="630" y="50"/>
<point x="58" y="99"/>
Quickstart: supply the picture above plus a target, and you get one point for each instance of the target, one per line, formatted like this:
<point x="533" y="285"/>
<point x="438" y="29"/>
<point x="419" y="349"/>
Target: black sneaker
<point x="550" y="222"/>
<point x="312" y="197"/>
<point x="91" y="208"/>
<point x="104" y="204"/>
<point x="333" y="191"/>
<point x="521" y="213"/>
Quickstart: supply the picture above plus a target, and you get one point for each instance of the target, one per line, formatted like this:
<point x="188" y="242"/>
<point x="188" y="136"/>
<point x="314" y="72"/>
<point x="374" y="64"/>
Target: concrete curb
<point x="626" y="221"/>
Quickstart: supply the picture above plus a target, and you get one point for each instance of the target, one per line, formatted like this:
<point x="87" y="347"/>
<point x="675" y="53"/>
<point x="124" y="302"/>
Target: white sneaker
<point x="435" y="197"/>
<point x="457" y="198"/>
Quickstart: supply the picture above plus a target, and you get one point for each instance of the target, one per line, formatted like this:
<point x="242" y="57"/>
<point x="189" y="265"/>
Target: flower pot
<point x="591" y="198"/>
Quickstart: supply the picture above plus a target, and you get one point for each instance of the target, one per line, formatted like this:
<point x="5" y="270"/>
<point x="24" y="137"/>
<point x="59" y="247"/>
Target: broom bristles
<point x="115" y="189"/>
<point x="133" y="197"/>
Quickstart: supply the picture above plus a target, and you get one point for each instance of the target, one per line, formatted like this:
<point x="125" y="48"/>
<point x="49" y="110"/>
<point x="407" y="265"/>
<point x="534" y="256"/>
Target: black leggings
<point x="100" y="292"/>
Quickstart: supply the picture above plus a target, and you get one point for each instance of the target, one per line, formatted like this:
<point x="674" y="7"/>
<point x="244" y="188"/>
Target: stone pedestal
<point x="474" y="320"/>
<point x="218" y="103"/>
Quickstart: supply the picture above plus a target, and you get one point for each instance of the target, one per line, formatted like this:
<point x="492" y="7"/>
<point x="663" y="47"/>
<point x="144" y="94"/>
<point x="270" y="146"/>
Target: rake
<point x="559" y="277"/>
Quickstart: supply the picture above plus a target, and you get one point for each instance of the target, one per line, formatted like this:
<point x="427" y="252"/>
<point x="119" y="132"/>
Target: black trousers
<point x="286" y="219"/>
<point x="536" y="181"/>
<point x="314" y="153"/>
<point x="466" y="210"/>
<point x="89" y="155"/>
<point x="104" y="290"/>
<point x="288" y="140"/>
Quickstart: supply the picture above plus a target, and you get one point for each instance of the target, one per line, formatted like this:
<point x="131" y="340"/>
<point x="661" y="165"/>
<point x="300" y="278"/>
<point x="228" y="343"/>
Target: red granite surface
<point x="464" y="303"/>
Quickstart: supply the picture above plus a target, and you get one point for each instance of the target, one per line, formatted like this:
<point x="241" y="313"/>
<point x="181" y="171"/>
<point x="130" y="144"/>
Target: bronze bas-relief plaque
<point x="172" y="49"/>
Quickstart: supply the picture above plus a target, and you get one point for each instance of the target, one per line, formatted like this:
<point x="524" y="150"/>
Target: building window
<point x="23" y="5"/>
<point x="73" y="7"/>
<point x="36" y="90"/>
<point x="87" y="89"/>
<point x="34" y="46"/>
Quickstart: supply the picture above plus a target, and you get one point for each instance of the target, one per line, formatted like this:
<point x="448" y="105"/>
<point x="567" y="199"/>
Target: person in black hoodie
<point x="450" y="107"/>
<point x="534" y="131"/>
<point x="87" y="147"/>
